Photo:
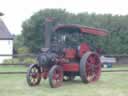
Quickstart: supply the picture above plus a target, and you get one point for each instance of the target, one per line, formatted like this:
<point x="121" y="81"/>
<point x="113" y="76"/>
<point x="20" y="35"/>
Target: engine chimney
<point x="47" y="32"/>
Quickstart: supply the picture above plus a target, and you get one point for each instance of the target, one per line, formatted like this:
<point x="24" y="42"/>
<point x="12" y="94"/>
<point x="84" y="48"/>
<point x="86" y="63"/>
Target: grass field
<point x="12" y="68"/>
<point x="110" y="84"/>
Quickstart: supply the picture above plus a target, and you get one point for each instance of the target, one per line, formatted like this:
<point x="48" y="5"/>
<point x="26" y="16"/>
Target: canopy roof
<point x="83" y="29"/>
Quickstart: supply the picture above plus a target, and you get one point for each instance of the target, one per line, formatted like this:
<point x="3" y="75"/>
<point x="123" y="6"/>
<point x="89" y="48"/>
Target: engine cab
<point x="70" y="42"/>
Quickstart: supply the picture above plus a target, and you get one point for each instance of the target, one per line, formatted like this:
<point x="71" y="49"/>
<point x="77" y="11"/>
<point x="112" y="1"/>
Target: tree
<point x="117" y="26"/>
<point x="33" y="28"/>
<point x="18" y="42"/>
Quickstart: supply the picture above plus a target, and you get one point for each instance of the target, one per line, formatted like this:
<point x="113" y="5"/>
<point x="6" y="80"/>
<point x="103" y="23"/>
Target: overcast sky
<point x="16" y="11"/>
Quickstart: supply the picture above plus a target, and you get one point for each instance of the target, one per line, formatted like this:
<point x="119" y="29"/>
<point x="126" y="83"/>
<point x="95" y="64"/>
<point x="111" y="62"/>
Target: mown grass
<point x="13" y="68"/>
<point x="110" y="84"/>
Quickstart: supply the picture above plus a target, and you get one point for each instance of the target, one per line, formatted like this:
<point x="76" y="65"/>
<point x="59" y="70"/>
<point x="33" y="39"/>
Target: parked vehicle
<point x="107" y="61"/>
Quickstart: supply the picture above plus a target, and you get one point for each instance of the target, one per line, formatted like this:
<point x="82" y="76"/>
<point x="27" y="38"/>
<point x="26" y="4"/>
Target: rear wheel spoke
<point x="92" y="67"/>
<point x="56" y="73"/>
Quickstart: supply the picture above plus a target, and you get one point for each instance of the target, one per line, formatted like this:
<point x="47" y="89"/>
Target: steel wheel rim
<point x="34" y="75"/>
<point x="93" y="68"/>
<point x="57" y="77"/>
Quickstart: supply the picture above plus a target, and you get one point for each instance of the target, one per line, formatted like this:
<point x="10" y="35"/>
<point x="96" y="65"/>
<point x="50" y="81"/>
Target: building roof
<point x="4" y="32"/>
<point x="1" y="14"/>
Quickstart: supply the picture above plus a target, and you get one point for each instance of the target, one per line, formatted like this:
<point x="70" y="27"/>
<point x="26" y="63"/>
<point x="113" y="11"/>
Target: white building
<point x="6" y="42"/>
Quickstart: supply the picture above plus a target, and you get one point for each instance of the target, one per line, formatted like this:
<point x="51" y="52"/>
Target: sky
<point x="17" y="11"/>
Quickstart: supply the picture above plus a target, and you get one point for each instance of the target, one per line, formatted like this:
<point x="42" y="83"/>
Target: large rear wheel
<point x="90" y="67"/>
<point x="56" y="76"/>
<point x="33" y="75"/>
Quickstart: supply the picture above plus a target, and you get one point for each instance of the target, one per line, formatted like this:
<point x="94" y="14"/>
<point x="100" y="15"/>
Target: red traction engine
<point x="66" y="57"/>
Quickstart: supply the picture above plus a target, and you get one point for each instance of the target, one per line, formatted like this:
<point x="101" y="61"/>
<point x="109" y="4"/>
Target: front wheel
<point x="56" y="76"/>
<point x="33" y="75"/>
<point x="90" y="67"/>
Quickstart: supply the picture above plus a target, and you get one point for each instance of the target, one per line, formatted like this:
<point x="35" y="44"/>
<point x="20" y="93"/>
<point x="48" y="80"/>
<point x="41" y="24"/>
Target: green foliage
<point x="28" y="60"/>
<point x="117" y="26"/>
<point x="33" y="28"/>
<point x="11" y="61"/>
<point x="18" y="41"/>
<point x="23" y="50"/>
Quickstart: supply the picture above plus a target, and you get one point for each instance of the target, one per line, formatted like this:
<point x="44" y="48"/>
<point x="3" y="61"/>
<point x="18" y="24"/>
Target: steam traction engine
<point x="66" y="57"/>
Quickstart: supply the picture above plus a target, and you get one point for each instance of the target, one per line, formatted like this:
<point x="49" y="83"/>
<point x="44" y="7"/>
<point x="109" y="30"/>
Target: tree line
<point x="117" y="26"/>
